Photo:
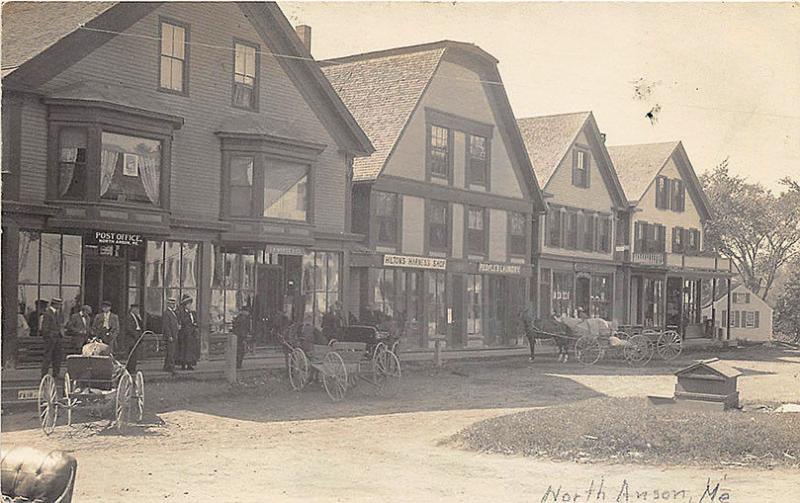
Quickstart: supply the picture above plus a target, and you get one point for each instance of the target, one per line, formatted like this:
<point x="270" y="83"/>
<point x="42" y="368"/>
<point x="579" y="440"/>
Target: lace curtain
<point x="150" y="171"/>
<point x="69" y="155"/>
<point x="108" y="163"/>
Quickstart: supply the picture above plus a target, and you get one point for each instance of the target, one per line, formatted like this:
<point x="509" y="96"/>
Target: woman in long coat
<point x="188" y="350"/>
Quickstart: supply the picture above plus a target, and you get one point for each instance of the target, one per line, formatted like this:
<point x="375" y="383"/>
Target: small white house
<point x="751" y="317"/>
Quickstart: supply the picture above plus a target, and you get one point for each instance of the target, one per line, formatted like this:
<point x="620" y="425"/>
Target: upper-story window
<point x="478" y="160"/>
<point x="73" y="176"/>
<point x="174" y="74"/>
<point x="387" y="217"/>
<point x="580" y="168"/>
<point x="571" y="229"/>
<point x="649" y="238"/>
<point x="588" y="231"/>
<point x="692" y="240"/>
<point x="130" y="168"/>
<point x="553" y="226"/>
<point x="518" y="234"/>
<point x="662" y="192"/>
<point x="740" y="298"/>
<point x="678" y="201"/>
<point x="245" y="75"/>
<point x="438" y="226"/>
<point x="285" y="190"/>
<point x="439" y="152"/>
<point x="241" y="185"/>
<point x="476" y="231"/>
<point x="678" y="240"/>
<point x="604" y="234"/>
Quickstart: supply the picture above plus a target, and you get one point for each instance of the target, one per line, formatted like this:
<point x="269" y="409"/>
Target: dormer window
<point x="580" y="168"/>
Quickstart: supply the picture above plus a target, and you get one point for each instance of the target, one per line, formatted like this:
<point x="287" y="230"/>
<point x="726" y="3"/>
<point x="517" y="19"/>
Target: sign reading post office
<point x="116" y="238"/>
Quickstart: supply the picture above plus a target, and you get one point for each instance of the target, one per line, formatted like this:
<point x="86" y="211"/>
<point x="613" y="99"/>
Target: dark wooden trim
<point x="398" y="244"/>
<point x="425" y="190"/>
<point x="91" y="111"/>
<point x="12" y="144"/>
<point x="257" y="77"/>
<point x="186" y="48"/>
<point x="463" y="124"/>
<point x="276" y="146"/>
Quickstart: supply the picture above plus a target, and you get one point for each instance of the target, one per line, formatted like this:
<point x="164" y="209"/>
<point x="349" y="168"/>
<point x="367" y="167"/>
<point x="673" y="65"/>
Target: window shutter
<point x="755" y="314"/>
<point x="587" y="170"/>
<point x="747" y="298"/>
<point x="667" y="187"/>
<point x="548" y="228"/>
<point x="574" y="168"/>
<point x="637" y="238"/>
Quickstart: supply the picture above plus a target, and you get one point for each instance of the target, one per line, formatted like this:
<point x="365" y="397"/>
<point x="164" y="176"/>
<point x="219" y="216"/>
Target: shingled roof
<point x="382" y="93"/>
<point x="637" y="165"/>
<point x="31" y="27"/>
<point x="548" y="138"/>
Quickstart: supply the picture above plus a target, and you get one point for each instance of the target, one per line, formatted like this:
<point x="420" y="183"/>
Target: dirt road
<point x="271" y="445"/>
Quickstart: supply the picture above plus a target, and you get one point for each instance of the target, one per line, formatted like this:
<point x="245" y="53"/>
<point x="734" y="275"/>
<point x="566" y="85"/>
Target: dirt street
<point x="269" y="444"/>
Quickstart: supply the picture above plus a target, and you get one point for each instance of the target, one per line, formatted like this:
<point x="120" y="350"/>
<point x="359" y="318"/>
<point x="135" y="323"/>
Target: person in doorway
<point x="80" y="324"/>
<point x="188" y="335"/>
<point x="133" y="329"/>
<point x="35" y="317"/>
<point x="242" y="329"/>
<point x="52" y="333"/>
<point x="106" y="326"/>
<point x="170" y="327"/>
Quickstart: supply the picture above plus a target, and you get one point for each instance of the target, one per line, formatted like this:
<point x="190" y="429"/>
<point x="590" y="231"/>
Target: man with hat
<point x="79" y="324"/>
<point x="170" y="327"/>
<point x="188" y="336"/>
<point x="51" y="332"/>
<point x="106" y="326"/>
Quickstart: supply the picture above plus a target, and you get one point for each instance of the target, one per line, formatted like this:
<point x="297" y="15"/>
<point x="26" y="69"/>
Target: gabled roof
<point x="382" y="94"/>
<point x="41" y="39"/>
<point x="548" y="138"/>
<point x="716" y="365"/>
<point x="638" y="165"/>
<point x="383" y="89"/>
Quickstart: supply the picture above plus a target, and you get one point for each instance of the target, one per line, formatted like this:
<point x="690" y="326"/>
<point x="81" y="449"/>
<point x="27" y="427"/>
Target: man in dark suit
<point x="188" y="335"/>
<point x="35" y="317"/>
<point x="52" y="332"/>
<point x="80" y="324"/>
<point x="242" y="328"/>
<point x="170" y="327"/>
<point x="133" y="329"/>
<point x="106" y="326"/>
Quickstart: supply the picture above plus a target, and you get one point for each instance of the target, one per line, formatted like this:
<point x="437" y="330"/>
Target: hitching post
<point x="230" y="358"/>
<point x="437" y="352"/>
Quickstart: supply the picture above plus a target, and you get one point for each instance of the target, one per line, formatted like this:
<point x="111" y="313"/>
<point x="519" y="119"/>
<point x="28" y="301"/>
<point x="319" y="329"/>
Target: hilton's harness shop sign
<point x="415" y="262"/>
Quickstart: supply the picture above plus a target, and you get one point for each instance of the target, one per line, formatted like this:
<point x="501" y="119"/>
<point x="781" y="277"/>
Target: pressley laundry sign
<point x="116" y="238"/>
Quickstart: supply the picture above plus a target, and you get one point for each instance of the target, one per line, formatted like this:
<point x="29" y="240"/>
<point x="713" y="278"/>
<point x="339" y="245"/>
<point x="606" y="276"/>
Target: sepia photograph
<point x="400" y="251"/>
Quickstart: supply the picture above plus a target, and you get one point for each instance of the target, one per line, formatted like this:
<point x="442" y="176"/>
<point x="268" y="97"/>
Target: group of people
<point x="181" y="333"/>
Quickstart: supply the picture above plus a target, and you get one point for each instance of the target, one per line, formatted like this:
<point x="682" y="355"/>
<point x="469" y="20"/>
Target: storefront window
<point x="563" y="298"/>
<point x="321" y="272"/>
<point x="130" y="168"/>
<point x="49" y="266"/>
<point x="232" y="286"/>
<point x="398" y="305"/>
<point x="437" y="304"/>
<point x="172" y="270"/>
<point x="691" y="302"/>
<point x="653" y="301"/>
<point x="600" y="306"/>
<point x="474" y="304"/>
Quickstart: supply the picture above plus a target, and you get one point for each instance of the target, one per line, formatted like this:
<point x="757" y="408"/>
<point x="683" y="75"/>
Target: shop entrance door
<point x="268" y="308"/>
<point x="456" y="313"/>
<point x="105" y="280"/>
<point x="582" y="286"/>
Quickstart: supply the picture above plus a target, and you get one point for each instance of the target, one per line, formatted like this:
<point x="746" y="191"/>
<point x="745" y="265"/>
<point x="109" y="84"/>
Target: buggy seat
<point x="92" y="371"/>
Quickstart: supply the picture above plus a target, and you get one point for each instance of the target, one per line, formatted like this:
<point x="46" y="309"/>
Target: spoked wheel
<point x="378" y="355"/>
<point x="588" y="350"/>
<point x="394" y="348"/>
<point x="124" y="398"/>
<point x="334" y="376"/>
<point x="48" y="405"/>
<point x="387" y="374"/>
<point x="298" y="369"/>
<point x="138" y="393"/>
<point x="637" y="351"/>
<point x="68" y="389"/>
<point x="669" y="345"/>
<point x="619" y="334"/>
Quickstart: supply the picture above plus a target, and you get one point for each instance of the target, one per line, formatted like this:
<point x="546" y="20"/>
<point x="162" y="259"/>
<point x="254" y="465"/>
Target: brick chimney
<point x="304" y="32"/>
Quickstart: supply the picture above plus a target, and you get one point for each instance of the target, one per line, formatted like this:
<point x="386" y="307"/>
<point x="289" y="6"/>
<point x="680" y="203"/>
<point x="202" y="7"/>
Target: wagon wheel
<point x="377" y="353"/>
<point x="67" y="400"/>
<point x="124" y="396"/>
<point x="388" y="374"/>
<point x="637" y="351"/>
<point x="298" y="369"/>
<point x="669" y="345"/>
<point x="395" y="347"/>
<point x="621" y="334"/>
<point x="48" y="405"/>
<point x="588" y="350"/>
<point x="138" y="393"/>
<point x="334" y="376"/>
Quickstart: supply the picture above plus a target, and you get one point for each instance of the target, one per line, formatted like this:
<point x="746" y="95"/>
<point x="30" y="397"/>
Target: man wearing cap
<point x="106" y="326"/>
<point x="80" y="324"/>
<point x="51" y="332"/>
<point x="170" y="327"/>
<point x="188" y="336"/>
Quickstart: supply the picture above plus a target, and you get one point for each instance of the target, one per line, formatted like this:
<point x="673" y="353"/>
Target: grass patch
<point x="631" y="430"/>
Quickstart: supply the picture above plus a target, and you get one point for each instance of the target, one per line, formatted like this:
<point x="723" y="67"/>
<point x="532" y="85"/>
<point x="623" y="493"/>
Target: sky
<point x="726" y="77"/>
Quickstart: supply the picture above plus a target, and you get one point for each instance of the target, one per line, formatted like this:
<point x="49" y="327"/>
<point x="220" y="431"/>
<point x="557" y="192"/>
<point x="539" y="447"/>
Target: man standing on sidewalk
<point x="51" y="332"/>
<point x="79" y="324"/>
<point x="133" y="329"/>
<point x="170" y="327"/>
<point x="242" y="329"/>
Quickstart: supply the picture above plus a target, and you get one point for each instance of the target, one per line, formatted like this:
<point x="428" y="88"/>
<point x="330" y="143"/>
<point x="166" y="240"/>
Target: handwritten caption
<point x="627" y="491"/>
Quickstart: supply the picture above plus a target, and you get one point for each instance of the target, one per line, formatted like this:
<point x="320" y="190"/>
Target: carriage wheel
<point x="334" y="376"/>
<point x="637" y="351"/>
<point x="669" y="345"/>
<point x="298" y="369"/>
<point x="138" y="392"/>
<point x="588" y="350"/>
<point x="388" y="374"/>
<point x="124" y="395"/>
<point x="378" y="356"/>
<point x="622" y="335"/>
<point x="48" y="405"/>
<point x="394" y="348"/>
<point x="67" y="392"/>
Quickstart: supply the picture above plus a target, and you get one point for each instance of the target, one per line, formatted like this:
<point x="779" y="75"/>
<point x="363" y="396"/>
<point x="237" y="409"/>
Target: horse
<point x="548" y="329"/>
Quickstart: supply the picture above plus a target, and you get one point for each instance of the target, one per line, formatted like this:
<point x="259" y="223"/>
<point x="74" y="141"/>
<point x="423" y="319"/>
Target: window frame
<point x="663" y="198"/>
<point x="429" y="203"/>
<point x="524" y="238"/>
<point x="186" y="46"/>
<point x="398" y="217"/>
<point x="604" y="245"/>
<point x="486" y="182"/>
<point x="229" y="173"/>
<point x="677" y="195"/>
<point x="467" y="242"/>
<point x="584" y="183"/>
<point x="429" y="153"/>
<point x="256" y="77"/>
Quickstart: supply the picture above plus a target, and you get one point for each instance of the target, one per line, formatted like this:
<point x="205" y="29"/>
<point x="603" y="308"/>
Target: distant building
<point x="750" y="315"/>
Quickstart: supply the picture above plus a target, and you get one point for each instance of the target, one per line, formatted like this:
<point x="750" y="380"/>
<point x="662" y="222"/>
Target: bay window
<point x="261" y="187"/>
<point x="130" y="168"/>
<point x="285" y="190"/>
<point x="72" y="174"/>
<point x="241" y="186"/>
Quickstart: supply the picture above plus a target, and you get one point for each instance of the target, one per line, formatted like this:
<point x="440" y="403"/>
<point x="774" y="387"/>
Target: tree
<point x="787" y="308"/>
<point x="758" y="230"/>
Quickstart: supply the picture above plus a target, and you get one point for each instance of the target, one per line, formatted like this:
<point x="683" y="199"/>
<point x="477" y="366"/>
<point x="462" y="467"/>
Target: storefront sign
<point x="499" y="268"/>
<point x="415" y="262"/>
<point x="284" y="250"/>
<point x="116" y="238"/>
